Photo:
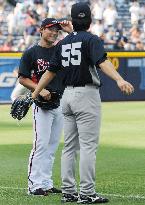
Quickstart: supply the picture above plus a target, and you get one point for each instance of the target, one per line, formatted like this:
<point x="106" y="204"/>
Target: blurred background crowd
<point x="119" y="23"/>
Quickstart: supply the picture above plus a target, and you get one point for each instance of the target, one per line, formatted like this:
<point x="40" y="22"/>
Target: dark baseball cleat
<point x="54" y="190"/>
<point x="69" y="198"/>
<point x="39" y="192"/>
<point x="92" y="199"/>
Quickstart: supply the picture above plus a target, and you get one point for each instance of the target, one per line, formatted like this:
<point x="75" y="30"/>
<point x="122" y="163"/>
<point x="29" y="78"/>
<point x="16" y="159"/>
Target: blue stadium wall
<point x="131" y="65"/>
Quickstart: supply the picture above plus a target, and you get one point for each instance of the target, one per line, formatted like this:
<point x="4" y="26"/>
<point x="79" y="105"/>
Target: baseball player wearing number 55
<point x="80" y="55"/>
<point x="47" y="115"/>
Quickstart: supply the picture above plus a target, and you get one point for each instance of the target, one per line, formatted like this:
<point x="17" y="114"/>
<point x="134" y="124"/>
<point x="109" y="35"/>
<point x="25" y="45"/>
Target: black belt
<point x="81" y="85"/>
<point x="86" y="85"/>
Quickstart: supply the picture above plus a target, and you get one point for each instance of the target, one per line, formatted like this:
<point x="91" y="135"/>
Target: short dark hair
<point x="81" y="25"/>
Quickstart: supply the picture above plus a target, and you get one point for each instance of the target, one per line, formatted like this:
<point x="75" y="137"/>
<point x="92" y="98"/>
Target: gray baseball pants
<point x="81" y="107"/>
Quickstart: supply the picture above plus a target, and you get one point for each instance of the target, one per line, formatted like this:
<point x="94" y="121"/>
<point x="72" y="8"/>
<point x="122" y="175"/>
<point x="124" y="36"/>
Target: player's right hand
<point x="45" y="94"/>
<point x="66" y="26"/>
<point x="125" y="86"/>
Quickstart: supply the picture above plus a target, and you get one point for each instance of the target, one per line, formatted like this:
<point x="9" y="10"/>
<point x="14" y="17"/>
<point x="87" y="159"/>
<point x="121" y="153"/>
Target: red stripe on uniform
<point x="30" y="169"/>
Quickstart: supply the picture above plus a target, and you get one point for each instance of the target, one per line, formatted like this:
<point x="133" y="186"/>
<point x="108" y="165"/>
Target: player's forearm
<point x="108" y="68"/>
<point x="45" y="79"/>
<point x="28" y="83"/>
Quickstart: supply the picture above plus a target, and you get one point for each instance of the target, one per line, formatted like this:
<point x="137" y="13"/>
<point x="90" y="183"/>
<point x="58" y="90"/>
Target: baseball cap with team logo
<point x="49" y="22"/>
<point x="80" y="11"/>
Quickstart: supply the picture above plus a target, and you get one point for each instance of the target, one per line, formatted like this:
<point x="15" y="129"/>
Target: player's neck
<point x="45" y="44"/>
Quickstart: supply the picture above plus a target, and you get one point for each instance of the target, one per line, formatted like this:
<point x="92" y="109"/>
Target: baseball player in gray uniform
<point x="80" y="55"/>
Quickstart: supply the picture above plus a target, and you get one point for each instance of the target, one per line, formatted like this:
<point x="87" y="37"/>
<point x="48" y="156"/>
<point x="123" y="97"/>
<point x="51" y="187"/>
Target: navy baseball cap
<point x="80" y="11"/>
<point x="49" y="22"/>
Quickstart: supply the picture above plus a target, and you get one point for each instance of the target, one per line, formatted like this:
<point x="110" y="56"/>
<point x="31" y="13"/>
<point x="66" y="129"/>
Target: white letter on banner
<point x="7" y="79"/>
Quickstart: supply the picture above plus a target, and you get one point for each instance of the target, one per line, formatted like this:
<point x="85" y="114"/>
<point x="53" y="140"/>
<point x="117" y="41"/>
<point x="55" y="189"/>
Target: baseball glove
<point x="20" y="106"/>
<point x="53" y="103"/>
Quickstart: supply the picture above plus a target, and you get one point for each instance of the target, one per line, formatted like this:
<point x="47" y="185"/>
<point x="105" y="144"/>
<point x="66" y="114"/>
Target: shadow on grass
<point x="119" y="171"/>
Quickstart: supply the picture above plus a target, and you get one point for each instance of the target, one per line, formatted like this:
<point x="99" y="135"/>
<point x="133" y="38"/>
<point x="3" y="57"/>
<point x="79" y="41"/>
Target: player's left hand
<point x="66" y="26"/>
<point x="125" y="87"/>
<point x="21" y="105"/>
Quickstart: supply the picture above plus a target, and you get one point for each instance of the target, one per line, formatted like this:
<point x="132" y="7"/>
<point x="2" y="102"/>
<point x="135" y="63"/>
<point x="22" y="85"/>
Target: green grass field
<point x="120" y="159"/>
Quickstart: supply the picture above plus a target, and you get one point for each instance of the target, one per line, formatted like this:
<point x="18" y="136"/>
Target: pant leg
<point x="88" y="117"/>
<point x="56" y="131"/>
<point x="71" y="145"/>
<point x="39" y="160"/>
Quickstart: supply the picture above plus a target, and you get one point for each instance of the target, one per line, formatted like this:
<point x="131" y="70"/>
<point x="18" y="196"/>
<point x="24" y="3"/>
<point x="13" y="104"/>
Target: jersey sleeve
<point x="55" y="63"/>
<point x="97" y="52"/>
<point x="25" y="64"/>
